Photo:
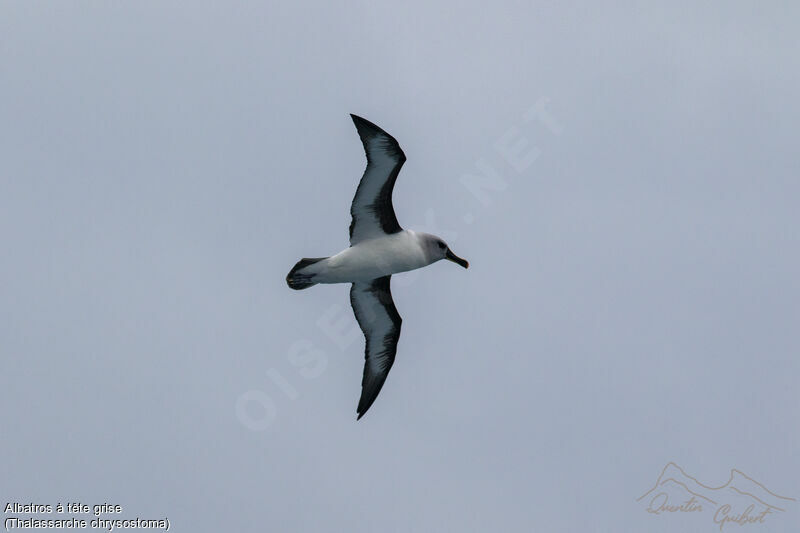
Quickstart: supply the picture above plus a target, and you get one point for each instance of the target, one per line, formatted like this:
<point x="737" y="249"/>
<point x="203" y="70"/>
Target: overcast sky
<point x="622" y="179"/>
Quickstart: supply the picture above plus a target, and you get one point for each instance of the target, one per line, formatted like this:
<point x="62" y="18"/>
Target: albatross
<point x="379" y="247"/>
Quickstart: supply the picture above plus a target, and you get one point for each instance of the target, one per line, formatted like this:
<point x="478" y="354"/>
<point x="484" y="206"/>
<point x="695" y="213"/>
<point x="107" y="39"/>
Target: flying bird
<point x="379" y="247"/>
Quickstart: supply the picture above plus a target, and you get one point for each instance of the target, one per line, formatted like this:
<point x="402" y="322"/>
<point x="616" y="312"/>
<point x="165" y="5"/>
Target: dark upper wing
<point x="372" y="211"/>
<point x="379" y="320"/>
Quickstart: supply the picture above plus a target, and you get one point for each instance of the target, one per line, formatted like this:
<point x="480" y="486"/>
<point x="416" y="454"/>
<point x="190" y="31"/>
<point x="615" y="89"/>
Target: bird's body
<point x="373" y="258"/>
<point x="379" y="247"/>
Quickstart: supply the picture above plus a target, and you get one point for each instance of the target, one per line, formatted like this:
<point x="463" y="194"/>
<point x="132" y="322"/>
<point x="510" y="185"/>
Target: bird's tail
<point x="297" y="279"/>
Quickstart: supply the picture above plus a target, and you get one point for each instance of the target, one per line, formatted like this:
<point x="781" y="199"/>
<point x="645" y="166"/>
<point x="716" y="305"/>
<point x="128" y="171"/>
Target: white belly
<point x="372" y="259"/>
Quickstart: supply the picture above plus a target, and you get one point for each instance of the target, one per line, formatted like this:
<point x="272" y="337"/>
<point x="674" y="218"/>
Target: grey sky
<point x="632" y="297"/>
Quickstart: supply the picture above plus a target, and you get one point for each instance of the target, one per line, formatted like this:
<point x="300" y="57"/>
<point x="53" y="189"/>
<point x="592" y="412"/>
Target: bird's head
<point x="436" y="249"/>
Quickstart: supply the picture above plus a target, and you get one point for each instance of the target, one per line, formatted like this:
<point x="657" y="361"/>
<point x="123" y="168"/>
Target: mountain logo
<point x="741" y="500"/>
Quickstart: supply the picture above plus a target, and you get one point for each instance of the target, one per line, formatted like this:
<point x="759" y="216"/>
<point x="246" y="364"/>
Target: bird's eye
<point x="442" y="245"/>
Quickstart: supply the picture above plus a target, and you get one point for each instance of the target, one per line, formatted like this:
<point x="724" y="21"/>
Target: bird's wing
<point x="379" y="320"/>
<point x="372" y="211"/>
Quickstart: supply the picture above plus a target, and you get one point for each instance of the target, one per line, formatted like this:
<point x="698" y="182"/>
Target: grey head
<point x="436" y="249"/>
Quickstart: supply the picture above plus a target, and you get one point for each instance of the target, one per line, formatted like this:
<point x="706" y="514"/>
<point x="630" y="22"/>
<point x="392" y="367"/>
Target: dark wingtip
<point x="364" y="124"/>
<point x="367" y="130"/>
<point x="365" y="403"/>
